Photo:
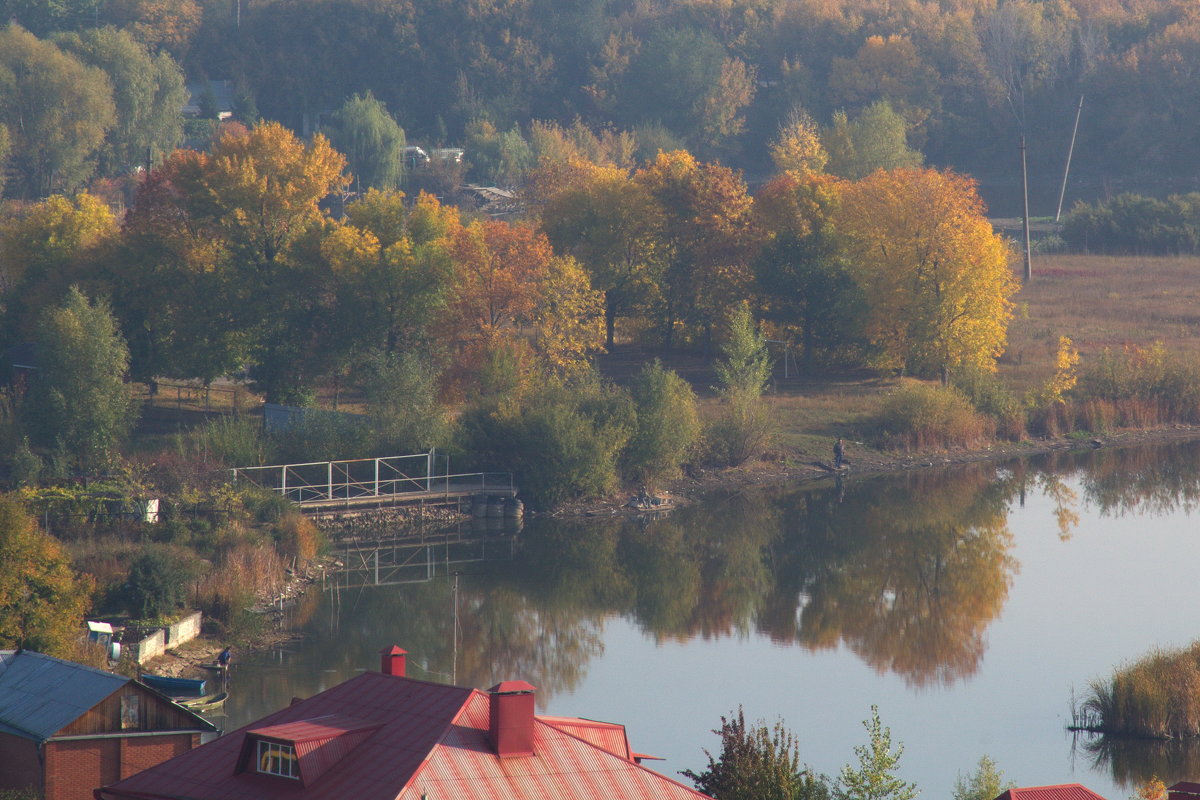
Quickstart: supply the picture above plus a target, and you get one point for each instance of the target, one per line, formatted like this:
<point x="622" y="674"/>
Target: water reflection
<point x="1132" y="762"/>
<point x="907" y="572"/>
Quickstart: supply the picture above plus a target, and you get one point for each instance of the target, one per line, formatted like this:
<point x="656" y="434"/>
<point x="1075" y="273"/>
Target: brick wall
<point x="75" y="767"/>
<point x="19" y="765"/>
<point x="144" y="752"/>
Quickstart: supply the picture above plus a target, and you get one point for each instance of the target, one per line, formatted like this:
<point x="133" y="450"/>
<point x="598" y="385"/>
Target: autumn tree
<point x="51" y="245"/>
<point x="57" y="111"/>
<point x="757" y="762"/>
<point x="803" y="275"/>
<point x="609" y="223"/>
<point x="797" y="146"/>
<point x="79" y="403"/>
<point x="936" y="276"/>
<point x="42" y="602"/>
<point x="875" y="776"/>
<point x="506" y="276"/>
<point x="247" y="215"/>
<point x="705" y="241"/>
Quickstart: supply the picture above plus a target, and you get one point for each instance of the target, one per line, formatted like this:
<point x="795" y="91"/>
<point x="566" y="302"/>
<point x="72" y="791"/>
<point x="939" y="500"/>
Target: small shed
<point x="67" y="729"/>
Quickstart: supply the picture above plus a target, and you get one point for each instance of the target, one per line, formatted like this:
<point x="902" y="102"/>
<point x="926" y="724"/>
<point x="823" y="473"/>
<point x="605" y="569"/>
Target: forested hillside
<point x="716" y="77"/>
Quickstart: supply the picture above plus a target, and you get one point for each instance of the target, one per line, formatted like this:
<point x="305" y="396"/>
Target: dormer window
<point x="278" y="759"/>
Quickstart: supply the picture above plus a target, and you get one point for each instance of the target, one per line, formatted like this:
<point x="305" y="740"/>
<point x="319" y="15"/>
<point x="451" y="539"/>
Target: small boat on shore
<point x="190" y="687"/>
<point x="206" y="704"/>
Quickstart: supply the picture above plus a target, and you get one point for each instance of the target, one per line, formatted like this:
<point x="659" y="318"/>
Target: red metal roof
<point x="1065" y="791"/>
<point x="428" y="739"/>
<point x="606" y="735"/>
<point x="1185" y="787"/>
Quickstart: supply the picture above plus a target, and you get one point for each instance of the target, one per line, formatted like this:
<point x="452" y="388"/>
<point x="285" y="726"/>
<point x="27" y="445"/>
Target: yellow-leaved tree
<point x="42" y="601"/>
<point x="936" y="277"/>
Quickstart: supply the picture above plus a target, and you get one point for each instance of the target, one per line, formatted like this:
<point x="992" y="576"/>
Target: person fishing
<point x="839" y="453"/>
<point x="224" y="658"/>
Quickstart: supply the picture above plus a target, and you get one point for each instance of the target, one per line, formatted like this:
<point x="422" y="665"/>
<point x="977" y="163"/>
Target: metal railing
<point x="368" y="479"/>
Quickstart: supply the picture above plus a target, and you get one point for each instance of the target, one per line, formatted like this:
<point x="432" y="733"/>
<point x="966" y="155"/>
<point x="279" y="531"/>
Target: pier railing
<point x="366" y="480"/>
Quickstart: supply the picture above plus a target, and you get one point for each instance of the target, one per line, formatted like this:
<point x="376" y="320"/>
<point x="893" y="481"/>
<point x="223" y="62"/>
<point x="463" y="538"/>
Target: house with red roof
<point x="1065" y="791"/>
<point x="1184" y="790"/>
<point x="384" y="736"/>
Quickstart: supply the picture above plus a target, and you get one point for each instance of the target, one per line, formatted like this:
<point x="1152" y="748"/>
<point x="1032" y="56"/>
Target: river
<point x="969" y="604"/>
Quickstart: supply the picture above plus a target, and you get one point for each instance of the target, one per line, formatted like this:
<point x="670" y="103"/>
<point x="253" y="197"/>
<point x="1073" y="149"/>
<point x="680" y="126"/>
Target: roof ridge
<point x="437" y="741"/>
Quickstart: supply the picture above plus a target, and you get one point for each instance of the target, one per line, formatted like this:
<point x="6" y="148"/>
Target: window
<point x="277" y="759"/>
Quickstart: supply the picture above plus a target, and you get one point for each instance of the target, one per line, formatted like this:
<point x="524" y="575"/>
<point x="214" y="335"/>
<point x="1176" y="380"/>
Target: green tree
<point x="79" y="402"/>
<point x="874" y="778"/>
<point x="42" y="602"/>
<point x="757" y="763"/>
<point x="684" y="78"/>
<point x="57" y="110"/>
<point x="985" y="783"/>
<point x="744" y="426"/>
<point x="372" y="142"/>
<point x="667" y="424"/>
<point x="875" y="139"/>
<point x="403" y="392"/>
<point x="148" y="90"/>
<point x="5" y="148"/>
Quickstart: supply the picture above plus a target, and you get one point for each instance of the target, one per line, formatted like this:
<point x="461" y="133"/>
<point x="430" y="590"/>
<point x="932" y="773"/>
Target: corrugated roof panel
<point x="40" y="695"/>
<point x="608" y="736"/>
<point x="1066" y="791"/>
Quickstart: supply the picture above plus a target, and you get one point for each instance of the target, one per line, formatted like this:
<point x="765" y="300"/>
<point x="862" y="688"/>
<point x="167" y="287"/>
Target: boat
<point x="189" y="687"/>
<point x="206" y="704"/>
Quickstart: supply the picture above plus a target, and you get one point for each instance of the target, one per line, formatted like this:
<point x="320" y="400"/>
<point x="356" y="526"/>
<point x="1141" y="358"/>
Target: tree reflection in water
<point x="1134" y="761"/>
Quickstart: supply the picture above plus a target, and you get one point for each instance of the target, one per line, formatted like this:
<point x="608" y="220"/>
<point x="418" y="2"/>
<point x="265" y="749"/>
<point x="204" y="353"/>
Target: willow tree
<point x="371" y="140"/>
<point x="936" y="277"/>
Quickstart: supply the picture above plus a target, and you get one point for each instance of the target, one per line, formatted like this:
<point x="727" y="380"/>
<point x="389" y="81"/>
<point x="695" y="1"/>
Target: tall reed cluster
<point x="1158" y="697"/>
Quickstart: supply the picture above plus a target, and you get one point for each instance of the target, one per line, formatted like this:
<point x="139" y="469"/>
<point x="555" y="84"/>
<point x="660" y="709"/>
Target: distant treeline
<point x="1133" y="224"/>
<point x="968" y="77"/>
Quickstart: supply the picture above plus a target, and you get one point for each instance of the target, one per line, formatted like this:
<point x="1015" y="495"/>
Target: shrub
<point x="298" y="537"/>
<point x="234" y="441"/>
<point x="318" y="435"/>
<point x="160" y="580"/>
<point x="921" y="416"/>
<point x="1143" y="387"/>
<point x="560" y="441"/>
<point x="667" y="424"/>
<point x="990" y="396"/>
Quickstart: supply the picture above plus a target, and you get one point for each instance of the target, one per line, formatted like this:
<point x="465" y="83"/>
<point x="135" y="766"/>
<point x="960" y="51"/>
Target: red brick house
<point x="66" y="729"/>
<point x="383" y="736"/>
<point x="1065" y="791"/>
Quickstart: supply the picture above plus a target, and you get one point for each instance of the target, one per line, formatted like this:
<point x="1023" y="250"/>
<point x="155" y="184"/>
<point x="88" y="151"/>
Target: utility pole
<point x="1025" y="187"/>
<point x="1067" y="169"/>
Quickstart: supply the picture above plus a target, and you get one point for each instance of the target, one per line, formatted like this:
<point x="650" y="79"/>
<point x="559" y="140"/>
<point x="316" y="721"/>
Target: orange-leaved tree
<point x="706" y="240"/>
<point x="509" y="287"/>
<point x="936" y="277"/>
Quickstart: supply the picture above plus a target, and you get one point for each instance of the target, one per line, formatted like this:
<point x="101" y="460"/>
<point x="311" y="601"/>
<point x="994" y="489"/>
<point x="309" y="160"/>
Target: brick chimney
<point x="510" y="722"/>
<point x="391" y="661"/>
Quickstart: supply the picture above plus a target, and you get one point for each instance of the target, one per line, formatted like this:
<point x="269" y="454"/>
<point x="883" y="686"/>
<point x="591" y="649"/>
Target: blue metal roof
<point x="40" y="695"/>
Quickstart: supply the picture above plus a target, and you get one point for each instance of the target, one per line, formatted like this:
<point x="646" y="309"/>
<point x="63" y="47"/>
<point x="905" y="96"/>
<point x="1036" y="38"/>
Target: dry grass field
<point x="1101" y="302"/>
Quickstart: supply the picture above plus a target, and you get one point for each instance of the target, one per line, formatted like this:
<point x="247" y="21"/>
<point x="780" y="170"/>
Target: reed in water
<point x="1157" y="696"/>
